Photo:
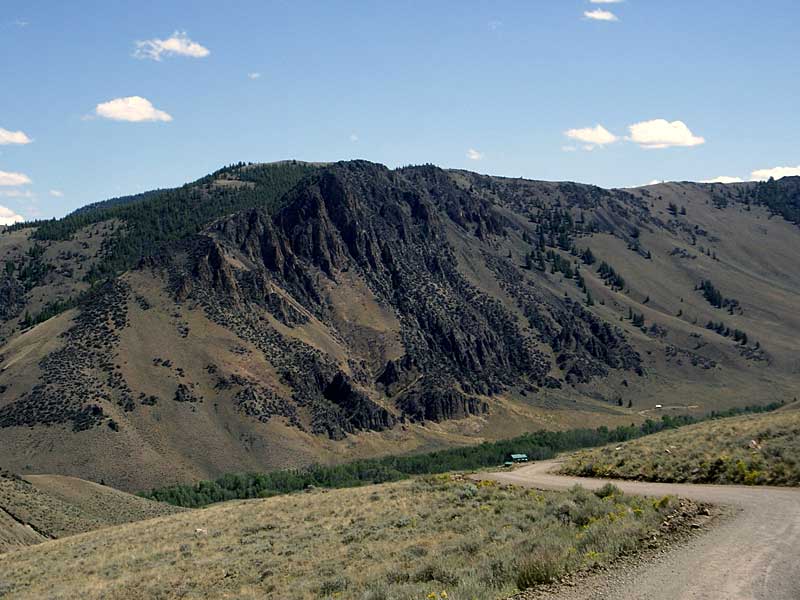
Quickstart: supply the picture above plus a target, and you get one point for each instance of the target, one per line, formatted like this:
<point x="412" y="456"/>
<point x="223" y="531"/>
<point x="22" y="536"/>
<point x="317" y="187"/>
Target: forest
<point x="166" y="215"/>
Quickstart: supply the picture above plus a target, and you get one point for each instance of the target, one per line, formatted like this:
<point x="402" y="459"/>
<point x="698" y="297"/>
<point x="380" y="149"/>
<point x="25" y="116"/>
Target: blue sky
<point x="507" y="88"/>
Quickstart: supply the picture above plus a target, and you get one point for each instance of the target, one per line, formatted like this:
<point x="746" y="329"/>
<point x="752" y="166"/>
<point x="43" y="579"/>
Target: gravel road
<point x="753" y="555"/>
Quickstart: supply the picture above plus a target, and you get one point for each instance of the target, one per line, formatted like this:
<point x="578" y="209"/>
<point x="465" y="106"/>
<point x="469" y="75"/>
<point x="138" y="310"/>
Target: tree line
<point x="154" y="218"/>
<point x="538" y="446"/>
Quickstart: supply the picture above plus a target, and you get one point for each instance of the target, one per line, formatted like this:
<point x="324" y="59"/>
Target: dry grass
<point x="434" y="537"/>
<point x="756" y="449"/>
<point x="53" y="507"/>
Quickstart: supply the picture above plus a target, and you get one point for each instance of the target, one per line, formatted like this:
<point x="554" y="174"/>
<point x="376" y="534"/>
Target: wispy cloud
<point x="353" y="137"/>
<point x="660" y="133"/>
<point x="494" y="25"/>
<point x="10" y="178"/>
<point x="758" y="175"/>
<point x="133" y="108"/>
<point x="20" y="22"/>
<point x="592" y="136"/>
<point x="723" y="179"/>
<point x="599" y="14"/>
<point x="473" y="154"/>
<point x="775" y="172"/>
<point x="606" y="1"/>
<point x="9" y="217"/>
<point x="56" y="193"/>
<point x="177" y="45"/>
<point x="17" y="193"/>
<point x="254" y="75"/>
<point x="13" y="137"/>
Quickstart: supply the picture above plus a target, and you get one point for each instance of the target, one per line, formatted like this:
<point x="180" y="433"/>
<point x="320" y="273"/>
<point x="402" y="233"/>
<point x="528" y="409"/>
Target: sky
<point x="103" y="99"/>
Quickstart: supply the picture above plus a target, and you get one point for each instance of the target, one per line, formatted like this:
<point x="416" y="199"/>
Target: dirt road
<point x="754" y="555"/>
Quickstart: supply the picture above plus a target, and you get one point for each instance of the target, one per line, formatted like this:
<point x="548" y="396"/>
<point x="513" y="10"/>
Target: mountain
<point x="275" y="315"/>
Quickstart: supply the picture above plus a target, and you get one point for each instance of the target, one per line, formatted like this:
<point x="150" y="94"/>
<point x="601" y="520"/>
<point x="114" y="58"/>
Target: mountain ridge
<point x="362" y="309"/>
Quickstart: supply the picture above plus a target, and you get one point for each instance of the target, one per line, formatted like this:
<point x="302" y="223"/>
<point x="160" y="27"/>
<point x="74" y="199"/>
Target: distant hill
<point x="43" y="507"/>
<point x="276" y="315"/>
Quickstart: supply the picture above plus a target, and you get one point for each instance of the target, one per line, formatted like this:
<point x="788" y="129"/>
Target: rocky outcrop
<point x="390" y="233"/>
<point x="585" y="346"/>
<point x="358" y="411"/>
<point x="439" y="404"/>
<point x="390" y="229"/>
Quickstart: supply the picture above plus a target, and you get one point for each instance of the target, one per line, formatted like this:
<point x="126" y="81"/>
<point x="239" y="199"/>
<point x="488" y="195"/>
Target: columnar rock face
<point x="376" y="301"/>
<point x="390" y="230"/>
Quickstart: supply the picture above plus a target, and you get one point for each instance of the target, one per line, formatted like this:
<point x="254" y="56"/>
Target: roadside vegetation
<point x="436" y="537"/>
<point x="538" y="446"/>
<point x="751" y="450"/>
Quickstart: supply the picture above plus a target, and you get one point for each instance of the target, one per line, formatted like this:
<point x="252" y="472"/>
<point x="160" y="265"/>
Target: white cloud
<point x="641" y="185"/>
<point x="254" y="75"/>
<point x="9" y="217"/>
<point x="473" y="154"/>
<point x="599" y="14"/>
<point x="723" y="179"/>
<point x="17" y="194"/>
<point x="56" y="193"/>
<point x="776" y="172"/>
<point x="592" y="136"/>
<point x="353" y="137"/>
<point x="179" y="44"/>
<point x="660" y="133"/>
<point x="132" y="108"/>
<point x="13" y="137"/>
<point x="11" y="178"/>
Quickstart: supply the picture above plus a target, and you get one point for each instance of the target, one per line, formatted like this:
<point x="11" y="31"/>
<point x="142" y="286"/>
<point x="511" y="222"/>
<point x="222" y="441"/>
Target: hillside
<point x="276" y="315"/>
<point x="752" y="450"/>
<point x="443" y="536"/>
<point x="44" y="507"/>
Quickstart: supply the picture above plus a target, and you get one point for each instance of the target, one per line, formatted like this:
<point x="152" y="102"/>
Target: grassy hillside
<point x="370" y="311"/>
<point x="439" y="537"/>
<point x="753" y="449"/>
<point x="43" y="507"/>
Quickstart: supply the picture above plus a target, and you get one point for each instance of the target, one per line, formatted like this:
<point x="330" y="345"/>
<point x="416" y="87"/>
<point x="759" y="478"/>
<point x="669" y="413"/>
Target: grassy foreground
<point x="752" y="450"/>
<point x="434" y="537"/>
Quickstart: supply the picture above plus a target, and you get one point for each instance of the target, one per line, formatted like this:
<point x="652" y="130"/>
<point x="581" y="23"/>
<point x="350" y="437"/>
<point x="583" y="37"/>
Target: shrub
<point x="608" y="490"/>
<point x="376" y="592"/>
<point x="434" y="571"/>
<point x="332" y="586"/>
<point x="545" y="564"/>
